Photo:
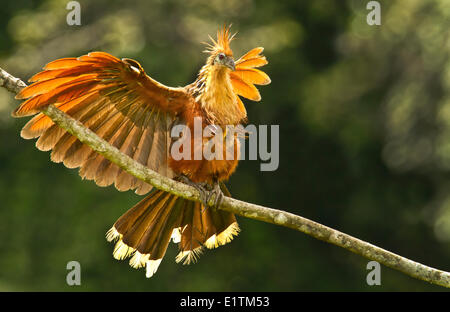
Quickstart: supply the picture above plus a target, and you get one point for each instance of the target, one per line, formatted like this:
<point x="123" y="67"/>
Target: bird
<point x="118" y="101"/>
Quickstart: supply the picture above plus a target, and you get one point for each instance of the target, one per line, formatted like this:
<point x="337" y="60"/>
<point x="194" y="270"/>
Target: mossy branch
<point x="252" y="211"/>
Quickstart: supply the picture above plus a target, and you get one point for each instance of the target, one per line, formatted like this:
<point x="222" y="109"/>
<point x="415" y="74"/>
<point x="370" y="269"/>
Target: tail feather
<point x="144" y="232"/>
<point x="192" y="235"/>
<point x="149" y="239"/>
<point x="134" y="223"/>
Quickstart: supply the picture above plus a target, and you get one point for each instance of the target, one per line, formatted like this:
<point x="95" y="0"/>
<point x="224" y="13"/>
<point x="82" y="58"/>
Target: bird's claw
<point x="207" y="192"/>
<point x="218" y="195"/>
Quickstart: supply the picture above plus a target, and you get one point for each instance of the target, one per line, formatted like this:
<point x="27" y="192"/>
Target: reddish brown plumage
<point x="133" y="112"/>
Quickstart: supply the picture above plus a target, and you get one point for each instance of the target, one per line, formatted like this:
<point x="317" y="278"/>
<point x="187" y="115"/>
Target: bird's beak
<point x="230" y="64"/>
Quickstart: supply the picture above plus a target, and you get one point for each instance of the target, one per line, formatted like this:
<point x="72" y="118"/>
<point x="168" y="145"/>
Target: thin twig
<point x="252" y="211"/>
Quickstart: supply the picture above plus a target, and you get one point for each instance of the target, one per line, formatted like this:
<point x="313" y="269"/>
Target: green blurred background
<point x="364" y="115"/>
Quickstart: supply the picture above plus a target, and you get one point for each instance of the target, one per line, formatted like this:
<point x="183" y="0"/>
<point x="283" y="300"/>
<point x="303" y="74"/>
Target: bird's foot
<point x="217" y="193"/>
<point x="207" y="192"/>
<point x="200" y="187"/>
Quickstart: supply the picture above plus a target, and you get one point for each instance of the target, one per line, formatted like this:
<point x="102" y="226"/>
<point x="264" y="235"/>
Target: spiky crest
<point x="222" y="44"/>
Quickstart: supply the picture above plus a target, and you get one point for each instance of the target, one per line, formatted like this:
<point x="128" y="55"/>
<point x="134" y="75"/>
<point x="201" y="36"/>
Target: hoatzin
<point x="117" y="100"/>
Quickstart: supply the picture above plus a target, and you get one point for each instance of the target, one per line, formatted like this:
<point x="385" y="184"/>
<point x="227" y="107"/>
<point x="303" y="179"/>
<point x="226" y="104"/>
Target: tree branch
<point x="252" y="211"/>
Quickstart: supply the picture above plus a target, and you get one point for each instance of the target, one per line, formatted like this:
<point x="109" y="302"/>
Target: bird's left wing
<point x="246" y="75"/>
<point x="116" y="100"/>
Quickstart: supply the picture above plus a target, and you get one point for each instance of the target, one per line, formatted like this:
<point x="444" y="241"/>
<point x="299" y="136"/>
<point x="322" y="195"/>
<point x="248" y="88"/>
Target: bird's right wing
<point x="115" y="99"/>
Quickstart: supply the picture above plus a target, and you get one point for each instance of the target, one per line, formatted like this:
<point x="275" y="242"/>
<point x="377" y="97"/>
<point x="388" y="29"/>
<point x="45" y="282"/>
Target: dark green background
<point x="364" y="115"/>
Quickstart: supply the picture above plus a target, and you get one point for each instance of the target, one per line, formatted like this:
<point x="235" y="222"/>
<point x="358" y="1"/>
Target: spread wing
<point x="116" y="100"/>
<point x="246" y="75"/>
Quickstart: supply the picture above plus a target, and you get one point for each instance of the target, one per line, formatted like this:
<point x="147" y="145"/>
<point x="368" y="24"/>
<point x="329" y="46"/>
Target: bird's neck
<point x="216" y="96"/>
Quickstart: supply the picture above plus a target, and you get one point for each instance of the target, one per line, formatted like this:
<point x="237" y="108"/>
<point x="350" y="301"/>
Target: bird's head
<point x="224" y="60"/>
<point x="220" y="51"/>
<point x="221" y="81"/>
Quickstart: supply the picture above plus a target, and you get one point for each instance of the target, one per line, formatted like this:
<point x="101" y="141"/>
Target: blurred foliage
<point x="364" y="115"/>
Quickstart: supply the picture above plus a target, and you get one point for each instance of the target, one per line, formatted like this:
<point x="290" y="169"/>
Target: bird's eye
<point x="221" y="56"/>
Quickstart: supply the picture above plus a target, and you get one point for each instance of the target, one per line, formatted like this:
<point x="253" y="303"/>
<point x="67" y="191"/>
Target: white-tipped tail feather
<point x="122" y="250"/>
<point x="212" y="242"/>
<point x="226" y="236"/>
<point x="176" y="235"/>
<point x="112" y="235"/>
<point x="139" y="260"/>
<point x="223" y="238"/>
<point x="152" y="267"/>
<point x="181" y="235"/>
<point x="189" y="256"/>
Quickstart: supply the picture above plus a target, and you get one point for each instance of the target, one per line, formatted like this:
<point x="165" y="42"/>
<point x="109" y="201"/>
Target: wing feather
<point x="251" y="75"/>
<point x="245" y="76"/>
<point x="252" y="63"/>
<point x="115" y="99"/>
<point x="247" y="90"/>
<point x="250" y="54"/>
